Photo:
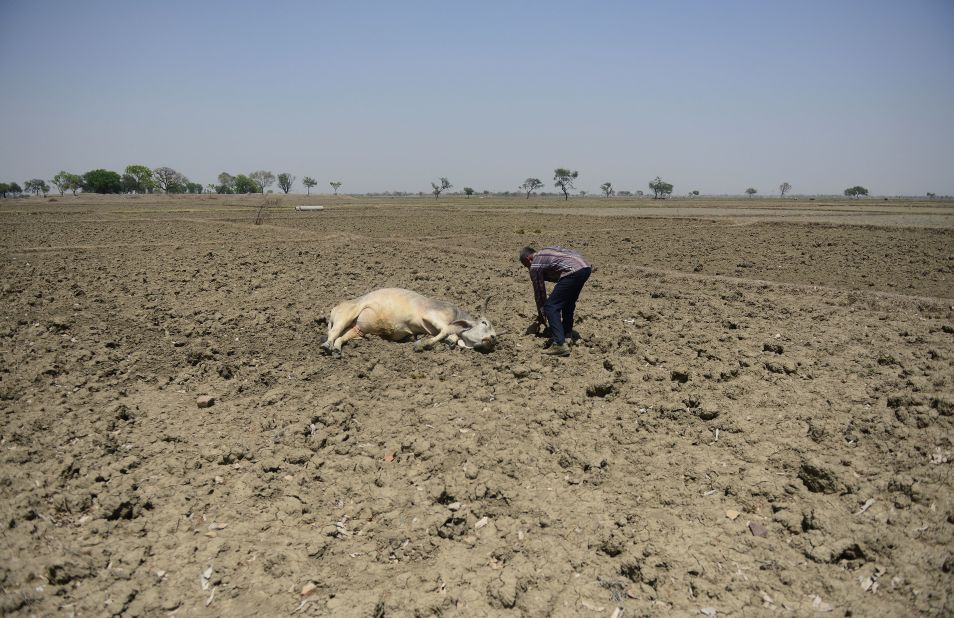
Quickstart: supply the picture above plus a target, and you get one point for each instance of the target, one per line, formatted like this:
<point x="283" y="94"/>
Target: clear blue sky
<point x="714" y="96"/>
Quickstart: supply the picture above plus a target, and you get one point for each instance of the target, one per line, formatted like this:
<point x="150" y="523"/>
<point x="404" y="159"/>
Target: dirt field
<point x="758" y="420"/>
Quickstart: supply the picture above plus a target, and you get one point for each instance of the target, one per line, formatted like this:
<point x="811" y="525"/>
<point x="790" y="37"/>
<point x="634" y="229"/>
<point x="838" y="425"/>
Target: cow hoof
<point x="336" y="354"/>
<point x="419" y="346"/>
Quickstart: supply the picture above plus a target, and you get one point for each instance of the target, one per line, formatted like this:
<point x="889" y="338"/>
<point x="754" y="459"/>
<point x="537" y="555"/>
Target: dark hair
<point x="526" y="252"/>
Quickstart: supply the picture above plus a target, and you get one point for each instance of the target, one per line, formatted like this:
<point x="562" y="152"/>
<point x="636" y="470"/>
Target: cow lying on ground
<point x="398" y="315"/>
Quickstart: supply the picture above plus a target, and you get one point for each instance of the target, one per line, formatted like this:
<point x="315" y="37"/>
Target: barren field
<point x="758" y="419"/>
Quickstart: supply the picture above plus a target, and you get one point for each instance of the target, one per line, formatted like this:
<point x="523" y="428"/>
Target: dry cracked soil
<point x="757" y="419"/>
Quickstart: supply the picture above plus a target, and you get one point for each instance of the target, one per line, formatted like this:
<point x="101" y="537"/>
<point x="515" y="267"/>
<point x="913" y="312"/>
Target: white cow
<point x="398" y="315"/>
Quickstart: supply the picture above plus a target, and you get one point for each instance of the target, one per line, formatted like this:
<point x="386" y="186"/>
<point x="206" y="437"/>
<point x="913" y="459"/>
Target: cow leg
<point x="342" y="318"/>
<point x="427" y="344"/>
<point x="335" y="329"/>
<point x="352" y="333"/>
<point x="363" y="323"/>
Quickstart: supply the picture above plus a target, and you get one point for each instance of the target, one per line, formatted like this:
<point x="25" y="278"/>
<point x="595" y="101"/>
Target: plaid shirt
<point x="552" y="264"/>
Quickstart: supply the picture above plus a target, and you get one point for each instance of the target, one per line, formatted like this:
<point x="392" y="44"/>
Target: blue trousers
<point x="561" y="304"/>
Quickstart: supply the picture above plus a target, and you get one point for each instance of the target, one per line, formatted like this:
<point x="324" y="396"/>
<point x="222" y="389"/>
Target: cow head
<point x="477" y="334"/>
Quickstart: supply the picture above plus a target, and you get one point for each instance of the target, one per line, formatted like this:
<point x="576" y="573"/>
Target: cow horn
<point x="486" y="302"/>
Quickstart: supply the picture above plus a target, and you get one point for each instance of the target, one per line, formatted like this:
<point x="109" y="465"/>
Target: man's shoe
<point x="557" y="349"/>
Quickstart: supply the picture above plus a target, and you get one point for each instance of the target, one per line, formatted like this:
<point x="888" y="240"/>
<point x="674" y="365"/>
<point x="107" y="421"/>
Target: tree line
<point x="142" y="179"/>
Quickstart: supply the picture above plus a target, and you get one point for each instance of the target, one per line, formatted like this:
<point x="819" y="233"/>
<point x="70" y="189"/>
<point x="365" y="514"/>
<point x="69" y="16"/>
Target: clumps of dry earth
<point x="758" y="418"/>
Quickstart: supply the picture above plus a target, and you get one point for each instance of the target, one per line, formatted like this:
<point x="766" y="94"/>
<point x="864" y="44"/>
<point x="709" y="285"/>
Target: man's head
<point x="526" y="256"/>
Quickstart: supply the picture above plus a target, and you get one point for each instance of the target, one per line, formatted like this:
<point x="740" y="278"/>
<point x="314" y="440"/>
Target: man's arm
<point x="539" y="293"/>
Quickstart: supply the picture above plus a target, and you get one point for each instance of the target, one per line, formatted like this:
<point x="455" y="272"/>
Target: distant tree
<point x="226" y="183"/>
<point x="563" y="180"/>
<point x="61" y="181"/>
<point x="530" y="185"/>
<point x="4" y="188"/>
<point x="128" y="183"/>
<point x="856" y="191"/>
<point x="245" y="184"/>
<point x="168" y="180"/>
<point x="14" y="188"/>
<point x="582" y="193"/>
<point x="211" y="187"/>
<point x="784" y="188"/>
<point x="751" y="191"/>
<point x="623" y="193"/>
<point x="264" y="178"/>
<point x="37" y="186"/>
<point x="931" y="195"/>
<point x="438" y="188"/>
<point x="142" y="175"/>
<point x="102" y="181"/>
<point x="660" y="188"/>
<point x="607" y="189"/>
<point x="335" y="184"/>
<point x="694" y="193"/>
<point x="285" y="182"/>
<point x="193" y="187"/>
<point x="310" y="182"/>
<point x="468" y="191"/>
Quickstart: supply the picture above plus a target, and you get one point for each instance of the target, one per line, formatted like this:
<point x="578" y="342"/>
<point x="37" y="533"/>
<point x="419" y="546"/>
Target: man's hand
<point x="536" y="326"/>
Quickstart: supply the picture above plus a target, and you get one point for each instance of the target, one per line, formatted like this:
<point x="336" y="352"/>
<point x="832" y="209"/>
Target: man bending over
<point x="569" y="270"/>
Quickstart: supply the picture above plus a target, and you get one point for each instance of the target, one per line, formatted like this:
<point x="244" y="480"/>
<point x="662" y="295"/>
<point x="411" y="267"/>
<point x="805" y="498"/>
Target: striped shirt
<point x="552" y="264"/>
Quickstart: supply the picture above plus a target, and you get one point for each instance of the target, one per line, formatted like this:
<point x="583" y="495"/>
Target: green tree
<point x="607" y="189"/>
<point x="310" y="182"/>
<point x="751" y="191"/>
<point x="438" y="188"/>
<point x="335" y="184"/>
<point x="694" y="193"/>
<point x="530" y="185"/>
<point x="226" y="183"/>
<point x="244" y="184"/>
<point x="37" y="186"/>
<point x="4" y="188"/>
<point x="128" y="183"/>
<point x="264" y="179"/>
<point x="563" y="180"/>
<point x="102" y="181"/>
<point x="76" y="183"/>
<point x="142" y="178"/>
<point x="285" y="182"/>
<point x="856" y="191"/>
<point x="193" y="187"/>
<point x="468" y="191"/>
<point x="63" y="181"/>
<point x="784" y="188"/>
<point x="15" y="189"/>
<point x="660" y="188"/>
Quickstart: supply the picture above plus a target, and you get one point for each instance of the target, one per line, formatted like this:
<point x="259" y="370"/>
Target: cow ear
<point x="463" y="324"/>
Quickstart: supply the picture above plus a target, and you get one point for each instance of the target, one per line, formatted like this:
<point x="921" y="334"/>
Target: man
<point x="569" y="271"/>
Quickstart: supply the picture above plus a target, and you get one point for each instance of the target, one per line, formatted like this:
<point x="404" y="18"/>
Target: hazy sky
<point x="711" y="95"/>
